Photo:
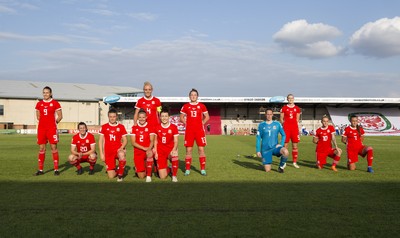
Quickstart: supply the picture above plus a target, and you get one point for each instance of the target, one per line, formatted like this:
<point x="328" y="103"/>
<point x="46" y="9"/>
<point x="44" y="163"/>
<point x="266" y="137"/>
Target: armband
<point x="159" y="109"/>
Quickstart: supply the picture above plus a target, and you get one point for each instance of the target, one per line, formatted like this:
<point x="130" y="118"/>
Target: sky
<point x="230" y="48"/>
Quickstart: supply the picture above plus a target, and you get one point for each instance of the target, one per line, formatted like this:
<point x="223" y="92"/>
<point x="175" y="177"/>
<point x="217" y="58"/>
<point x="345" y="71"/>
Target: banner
<point x="375" y="121"/>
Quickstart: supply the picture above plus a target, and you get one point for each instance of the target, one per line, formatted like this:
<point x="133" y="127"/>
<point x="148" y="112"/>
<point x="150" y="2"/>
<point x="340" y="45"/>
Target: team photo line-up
<point x="155" y="139"/>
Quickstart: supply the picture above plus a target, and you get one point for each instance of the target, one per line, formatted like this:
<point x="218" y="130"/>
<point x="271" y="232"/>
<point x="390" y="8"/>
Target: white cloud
<point x="143" y="16"/>
<point x="8" y="36"/>
<point x="6" y="10"/>
<point x="78" y="26"/>
<point x="378" y="39"/>
<point x="224" y="68"/>
<point x="29" y="6"/>
<point x="308" y="40"/>
<point x="103" y="12"/>
<point x="50" y="38"/>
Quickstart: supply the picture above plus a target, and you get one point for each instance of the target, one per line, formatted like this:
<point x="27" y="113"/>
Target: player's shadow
<point x="312" y="165"/>
<point x="182" y="166"/>
<point x="61" y="168"/>
<point x="309" y="164"/>
<point x="85" y="166"/>
<point x="249" y="165"/>
<point x="257" y="165"/>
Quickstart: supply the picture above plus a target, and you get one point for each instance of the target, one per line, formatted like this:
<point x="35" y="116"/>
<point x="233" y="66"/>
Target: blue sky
<point x="223" y="48"/>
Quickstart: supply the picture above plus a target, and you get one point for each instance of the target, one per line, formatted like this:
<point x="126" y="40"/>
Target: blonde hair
<point x="324" y="116"/>
<point x="147" y="83"/>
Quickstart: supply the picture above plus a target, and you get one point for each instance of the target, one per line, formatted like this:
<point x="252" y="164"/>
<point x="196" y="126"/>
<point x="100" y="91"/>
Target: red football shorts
<point x="292" y="134"/>
<point x="139" y="159"/>
<point x="321" y="156"/>
<point x="192" y="135"/>
<point x="111" y="155"/>
<point x="47" y="135"/>
<point x="353" y="153"/>
<point x="162" y="161"/>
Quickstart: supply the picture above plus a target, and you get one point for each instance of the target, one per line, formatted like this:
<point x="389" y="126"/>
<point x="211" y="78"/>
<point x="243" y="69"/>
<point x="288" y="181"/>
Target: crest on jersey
<point x="118" y="129"/>
<point x="274" y="127"/>
<point x="152" y="102"/>
<point x="87" y="141"/>
<point x="51" y="104"/>
<point x="146" y="129"/>
<point x="198" y="107"/>
<point x="169" y="131"/>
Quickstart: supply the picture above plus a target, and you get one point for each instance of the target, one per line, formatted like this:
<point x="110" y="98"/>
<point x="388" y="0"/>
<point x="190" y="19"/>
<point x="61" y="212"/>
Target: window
<point x="1" y="110"/>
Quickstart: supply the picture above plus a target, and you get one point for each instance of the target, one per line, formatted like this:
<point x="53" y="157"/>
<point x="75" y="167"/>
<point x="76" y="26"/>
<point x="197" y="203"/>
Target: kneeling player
<point x="267" y="142"/>
<point x="324" y="138"/>
<point x="166" y="147"/>
<point x="142" y="138"/>
<point x="83" y="149"/>
<point x="112" y="142"/>
<point x="353" y="137"/>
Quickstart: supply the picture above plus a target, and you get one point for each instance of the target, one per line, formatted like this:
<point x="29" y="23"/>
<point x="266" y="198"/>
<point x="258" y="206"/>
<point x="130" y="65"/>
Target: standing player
<point x="49" y="114"/>
<point x="166" y="146"/>
<point x="267" y="142"/>
<point x="112" y="143"/>
<point x="194" y="115"/>
<point x="150" y="104"/>
<point x="353" y="137"/>
<point x="142" y="138"/>
<point x="290" y="116"/>
<point x="324" y="138"/>
<point x="83" y="149"/>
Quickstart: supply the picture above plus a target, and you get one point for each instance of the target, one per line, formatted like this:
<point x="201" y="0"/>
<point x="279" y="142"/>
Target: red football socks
<point x="121" y="167"/>
<point x="202" y="162"/>
<point x="295" y="154"/>
<point x="370" y="157"/>
<point x="41" y="157"/>
<point x="188" y="163"/>
<point x="55" y="159"/>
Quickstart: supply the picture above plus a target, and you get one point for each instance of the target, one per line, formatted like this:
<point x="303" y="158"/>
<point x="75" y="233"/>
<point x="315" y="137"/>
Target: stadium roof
<point x="315" y="101"/>
<point x="268" y="100"/>
<point x="62" y="91"/>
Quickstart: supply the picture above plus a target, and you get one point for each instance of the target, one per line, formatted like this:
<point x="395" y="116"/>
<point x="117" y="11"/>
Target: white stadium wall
<point x="21" y="114"/>
<point x="18" y="112"/>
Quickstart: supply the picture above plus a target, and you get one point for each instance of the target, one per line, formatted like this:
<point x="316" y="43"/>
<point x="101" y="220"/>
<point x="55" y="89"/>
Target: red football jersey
<point x="150" y="106"/>
<point x="324" y="138"/>
<point x="290" y="115"/>
<point x="353" y="136"/>
<point x="47" y="111"/>
<point x="83" y="143"/>
<point x="165" y="136"/>
<point x="194" y="115"/>
<point x="112" y="135"/>
<point x="142" y="134"/>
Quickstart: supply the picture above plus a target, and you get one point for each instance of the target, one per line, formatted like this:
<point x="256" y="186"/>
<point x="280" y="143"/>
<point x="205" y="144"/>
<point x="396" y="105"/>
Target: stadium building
<point x="79" y="102"/>
<point x="234" y="115"/>
<point x="241" y="115"/>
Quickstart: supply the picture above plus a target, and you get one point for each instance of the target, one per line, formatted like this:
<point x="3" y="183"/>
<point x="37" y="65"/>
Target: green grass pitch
<point x="236" y="199"/>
